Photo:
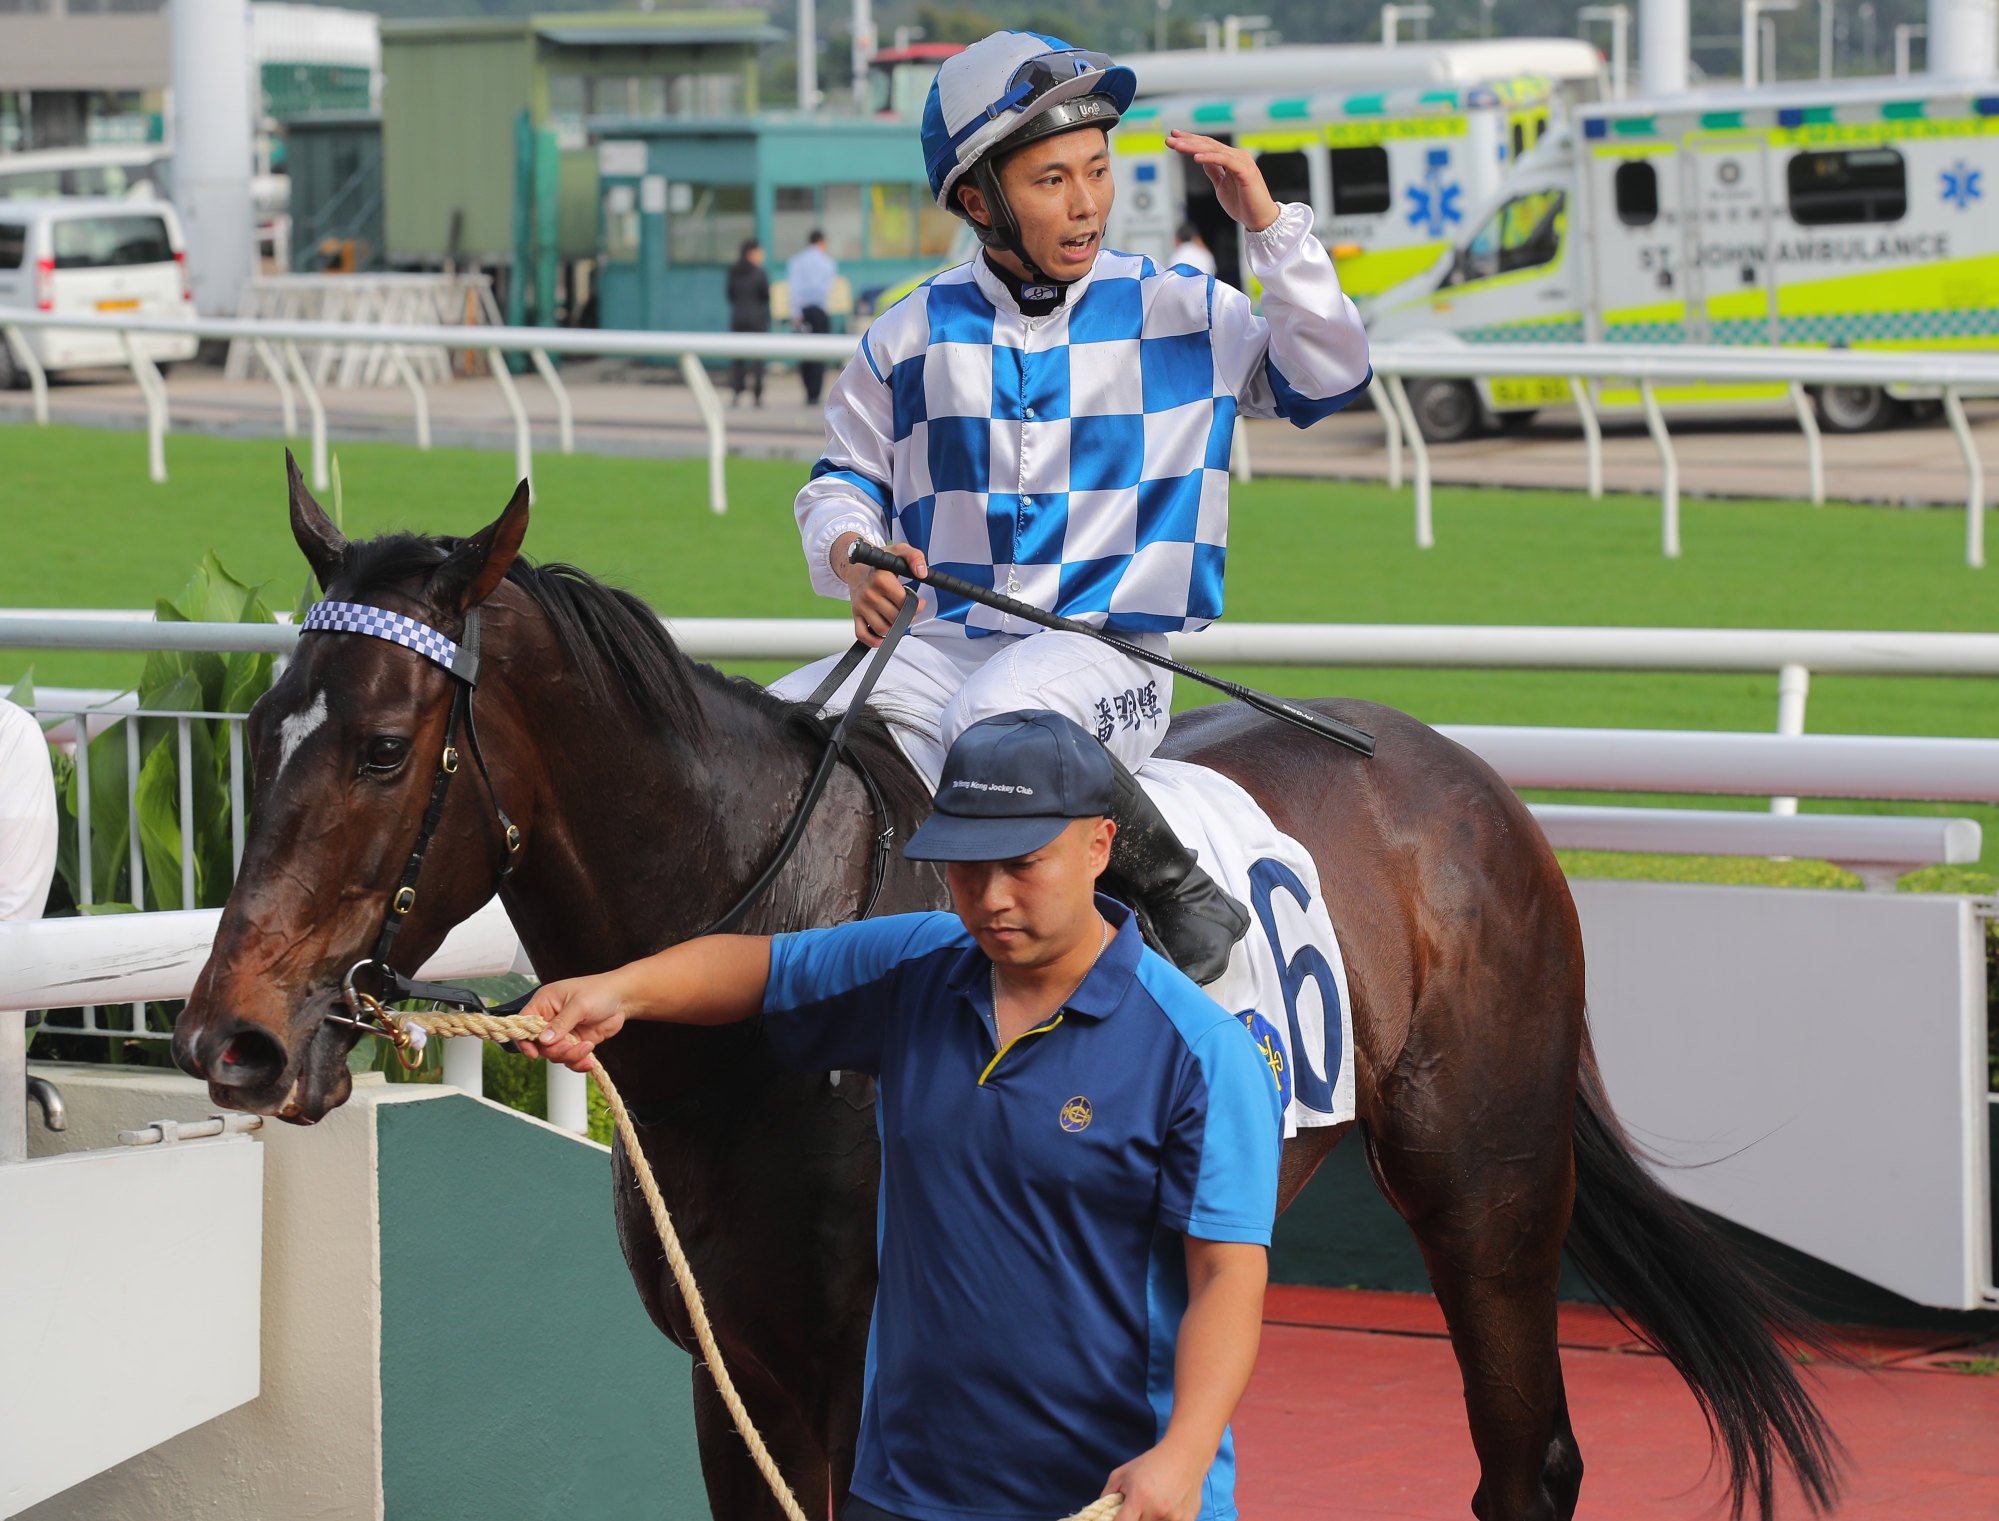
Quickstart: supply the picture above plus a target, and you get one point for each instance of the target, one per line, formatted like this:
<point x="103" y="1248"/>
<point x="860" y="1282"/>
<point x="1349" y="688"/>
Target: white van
<point x="92" y="256"/>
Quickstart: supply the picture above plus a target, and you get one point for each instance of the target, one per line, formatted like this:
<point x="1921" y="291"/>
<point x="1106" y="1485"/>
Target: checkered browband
<point x="380" y="623"/>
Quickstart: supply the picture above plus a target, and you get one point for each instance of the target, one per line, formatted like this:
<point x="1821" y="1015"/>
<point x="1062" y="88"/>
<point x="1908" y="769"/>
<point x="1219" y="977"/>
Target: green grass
<point x="84" y="528"/>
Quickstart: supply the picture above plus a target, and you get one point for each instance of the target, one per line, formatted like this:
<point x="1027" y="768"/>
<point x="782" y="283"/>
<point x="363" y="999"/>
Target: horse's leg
<point x="735" y="1487"/>
<point x="1491" y="1233"/>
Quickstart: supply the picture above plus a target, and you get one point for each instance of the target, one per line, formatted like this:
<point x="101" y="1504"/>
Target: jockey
<point x="1053" y="420"/>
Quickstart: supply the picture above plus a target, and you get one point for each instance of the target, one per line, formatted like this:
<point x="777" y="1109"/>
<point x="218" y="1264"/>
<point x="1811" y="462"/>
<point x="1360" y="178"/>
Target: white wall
<point x="1813" y="1061"/>
<point x="309" y="1448"/>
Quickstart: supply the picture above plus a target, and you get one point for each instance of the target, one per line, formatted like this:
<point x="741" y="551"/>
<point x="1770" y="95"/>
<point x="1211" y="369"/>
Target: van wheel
<point x="1854" y="409"/>
<point x="13" y="375"/>
<point x="1447" y="411"/>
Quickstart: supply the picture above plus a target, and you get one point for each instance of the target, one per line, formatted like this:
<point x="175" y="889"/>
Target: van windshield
<point x="106" y="242"/>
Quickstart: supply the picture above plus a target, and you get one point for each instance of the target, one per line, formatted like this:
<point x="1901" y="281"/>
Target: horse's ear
<point x="319" y="541"/>
<point x="471" y="571"/>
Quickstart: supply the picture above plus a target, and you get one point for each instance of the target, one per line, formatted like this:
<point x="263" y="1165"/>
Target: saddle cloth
<point x="1287" y="980"/>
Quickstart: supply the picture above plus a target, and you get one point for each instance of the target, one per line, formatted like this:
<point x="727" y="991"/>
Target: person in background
<point x="27" y="815"/>
<point x="1191" y="249"/>
<point x="811" y="272"/>
<point x="749" y="312"/>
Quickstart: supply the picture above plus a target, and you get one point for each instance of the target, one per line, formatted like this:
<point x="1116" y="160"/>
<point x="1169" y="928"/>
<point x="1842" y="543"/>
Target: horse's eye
<point x="385" y="753"/>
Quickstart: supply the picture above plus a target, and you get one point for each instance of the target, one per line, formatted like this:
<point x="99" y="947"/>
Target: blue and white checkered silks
<point x="380" y="623"/>
<point x="1078" y="461"/>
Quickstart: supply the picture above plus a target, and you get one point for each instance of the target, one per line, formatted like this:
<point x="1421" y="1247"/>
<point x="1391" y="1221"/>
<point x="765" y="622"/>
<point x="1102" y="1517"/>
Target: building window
<point x="706" y="224"/>
<point x="1360" y="181"/>
<point x="842" y="221"/>
<point x="1856" y="185"/>
<point x="1635" y="187"/>
<point x="794" y="214"/>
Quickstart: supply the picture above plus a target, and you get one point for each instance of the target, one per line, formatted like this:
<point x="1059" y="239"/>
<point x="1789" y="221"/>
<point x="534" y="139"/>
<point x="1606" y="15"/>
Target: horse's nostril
<point x="249" y="1058"/>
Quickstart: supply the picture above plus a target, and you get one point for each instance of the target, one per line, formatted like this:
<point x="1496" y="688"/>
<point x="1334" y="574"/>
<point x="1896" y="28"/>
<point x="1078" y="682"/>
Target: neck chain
<point x="1103" y="940"/>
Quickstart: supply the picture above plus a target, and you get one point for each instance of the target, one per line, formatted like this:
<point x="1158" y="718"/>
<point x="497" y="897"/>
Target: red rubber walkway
<point x="1356" y="1413"/>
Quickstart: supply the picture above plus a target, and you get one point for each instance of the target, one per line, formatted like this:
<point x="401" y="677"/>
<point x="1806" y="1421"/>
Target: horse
<point x="648" y="791"/>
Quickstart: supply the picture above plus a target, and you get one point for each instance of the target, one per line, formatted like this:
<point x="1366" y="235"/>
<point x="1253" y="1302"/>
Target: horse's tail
<point x="1720" y="1322"/>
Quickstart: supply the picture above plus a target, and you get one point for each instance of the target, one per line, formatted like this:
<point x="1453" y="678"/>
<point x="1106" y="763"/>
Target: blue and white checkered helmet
<point x="1004" y="84"/>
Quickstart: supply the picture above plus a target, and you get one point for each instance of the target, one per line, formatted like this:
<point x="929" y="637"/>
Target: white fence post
<point x="1669" y="473"/>
<point x="568" y="1099"/>
<point x="710" y="406"/>
<point x="523" y="443"/>
<point x="1974" y="470"/>
<point x="465" y="1063"/>
<point x="1419" y="461"/>
<point x="1794" y="683"/>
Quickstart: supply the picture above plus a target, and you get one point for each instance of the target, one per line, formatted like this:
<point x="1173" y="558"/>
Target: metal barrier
<point x="1584" y="366"/>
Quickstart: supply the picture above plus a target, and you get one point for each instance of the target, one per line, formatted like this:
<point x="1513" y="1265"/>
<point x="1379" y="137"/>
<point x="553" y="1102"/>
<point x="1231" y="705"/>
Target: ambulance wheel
<point x="1854" y="409"/>
<point x="13" y="375"/>
<point x="1447" y="411"/>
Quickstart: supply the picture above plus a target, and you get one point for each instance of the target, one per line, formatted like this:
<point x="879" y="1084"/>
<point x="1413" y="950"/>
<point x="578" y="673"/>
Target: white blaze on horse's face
<point x="300" y="727"/>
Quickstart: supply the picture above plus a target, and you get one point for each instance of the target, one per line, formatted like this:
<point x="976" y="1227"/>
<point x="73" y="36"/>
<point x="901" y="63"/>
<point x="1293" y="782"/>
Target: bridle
<point x="366" y="1008"/>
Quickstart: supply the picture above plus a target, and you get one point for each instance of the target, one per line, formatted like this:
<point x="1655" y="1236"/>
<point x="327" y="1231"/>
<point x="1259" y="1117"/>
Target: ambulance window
<point x="1360" y="181"/>
<point x="1519" y="140"/>
<point x="1289" y="176"/>
<point x="13" y="244"/>
<point x="1857" y="185"/>
<point x="1636" y="186"/>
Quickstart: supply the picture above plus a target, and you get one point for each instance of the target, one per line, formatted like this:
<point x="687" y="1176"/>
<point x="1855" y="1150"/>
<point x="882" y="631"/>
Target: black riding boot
<point x="1182" y="910"/>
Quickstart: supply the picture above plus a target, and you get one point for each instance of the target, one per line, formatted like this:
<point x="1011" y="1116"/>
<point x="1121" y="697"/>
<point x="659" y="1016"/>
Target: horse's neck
<point x="642" y="838"/>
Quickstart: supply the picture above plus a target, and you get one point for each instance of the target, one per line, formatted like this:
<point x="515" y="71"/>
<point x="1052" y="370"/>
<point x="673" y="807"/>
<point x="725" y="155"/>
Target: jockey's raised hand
<point x="1233" y="172"/>
<point x="876" y="595"/>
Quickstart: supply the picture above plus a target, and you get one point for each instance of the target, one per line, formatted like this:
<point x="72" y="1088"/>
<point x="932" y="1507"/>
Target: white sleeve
<point x="1306" y="356"/>
<point x="850" y="490"/>
<point x="28" y="827"/>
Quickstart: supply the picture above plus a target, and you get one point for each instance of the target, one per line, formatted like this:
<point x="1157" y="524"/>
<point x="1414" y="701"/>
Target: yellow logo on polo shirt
<point x="1076" y="1114"/>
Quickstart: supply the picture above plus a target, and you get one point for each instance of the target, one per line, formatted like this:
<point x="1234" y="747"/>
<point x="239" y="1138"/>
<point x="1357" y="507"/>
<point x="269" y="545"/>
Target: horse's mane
<point x="617" y="646"/>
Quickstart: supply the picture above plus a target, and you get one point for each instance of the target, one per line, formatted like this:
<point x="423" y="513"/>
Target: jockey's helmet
<point x="1002" y="92"/>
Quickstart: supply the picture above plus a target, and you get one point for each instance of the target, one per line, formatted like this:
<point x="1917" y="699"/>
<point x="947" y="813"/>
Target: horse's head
<point x="345" y="748"/>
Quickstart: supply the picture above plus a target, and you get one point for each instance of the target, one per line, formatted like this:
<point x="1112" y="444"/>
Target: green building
<point x="678" y="198"/>
<point x="483" y="148"/>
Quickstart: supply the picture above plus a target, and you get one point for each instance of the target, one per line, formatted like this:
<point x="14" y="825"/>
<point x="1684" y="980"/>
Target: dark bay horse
<point x="651" y="791"/>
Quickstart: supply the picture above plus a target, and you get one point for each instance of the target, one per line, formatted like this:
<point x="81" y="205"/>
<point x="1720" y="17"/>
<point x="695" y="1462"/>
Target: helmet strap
<point x="1003" y="231"/>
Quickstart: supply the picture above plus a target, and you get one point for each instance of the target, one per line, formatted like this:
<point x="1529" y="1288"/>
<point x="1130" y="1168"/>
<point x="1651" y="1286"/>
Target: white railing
<point x="1583" y="366"/>
<point x="1790" y="654"/>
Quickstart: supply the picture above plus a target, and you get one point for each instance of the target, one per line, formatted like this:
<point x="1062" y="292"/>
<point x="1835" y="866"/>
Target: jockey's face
<point x="1036" y="908"/>
<point x="1060" y="192"/>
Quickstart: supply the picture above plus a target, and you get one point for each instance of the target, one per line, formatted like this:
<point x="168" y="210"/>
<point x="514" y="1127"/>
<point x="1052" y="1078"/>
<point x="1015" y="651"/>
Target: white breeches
<point x="935" y="688"/>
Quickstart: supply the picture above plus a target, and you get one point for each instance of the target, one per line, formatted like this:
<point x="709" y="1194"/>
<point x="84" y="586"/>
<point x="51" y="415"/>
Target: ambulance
<point x="1857" y="214"/>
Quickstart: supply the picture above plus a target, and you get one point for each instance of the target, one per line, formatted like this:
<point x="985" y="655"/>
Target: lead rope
<point x="519" y="1027"/>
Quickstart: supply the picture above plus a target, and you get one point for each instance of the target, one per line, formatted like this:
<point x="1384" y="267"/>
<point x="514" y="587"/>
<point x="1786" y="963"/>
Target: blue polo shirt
<point x="1033" y="1204"/>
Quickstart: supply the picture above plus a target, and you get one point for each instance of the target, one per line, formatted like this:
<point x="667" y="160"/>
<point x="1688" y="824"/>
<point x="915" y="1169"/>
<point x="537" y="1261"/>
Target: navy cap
<point x="1011" y="784"/>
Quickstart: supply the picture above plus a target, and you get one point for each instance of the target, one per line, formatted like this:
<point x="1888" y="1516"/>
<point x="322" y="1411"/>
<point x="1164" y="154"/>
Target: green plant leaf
<point x="158" y="802"/>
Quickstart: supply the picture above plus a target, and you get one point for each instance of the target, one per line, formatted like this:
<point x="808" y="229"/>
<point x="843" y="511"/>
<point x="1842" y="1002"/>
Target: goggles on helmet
<point x="1032" y="81"/>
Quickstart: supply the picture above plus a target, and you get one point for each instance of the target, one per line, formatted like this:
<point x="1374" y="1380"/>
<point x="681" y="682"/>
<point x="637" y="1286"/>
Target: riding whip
<point x="1317" y="723"/>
